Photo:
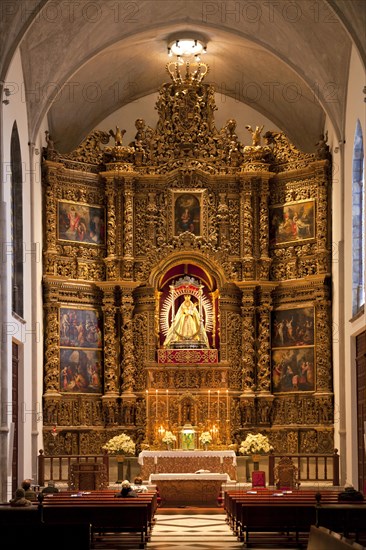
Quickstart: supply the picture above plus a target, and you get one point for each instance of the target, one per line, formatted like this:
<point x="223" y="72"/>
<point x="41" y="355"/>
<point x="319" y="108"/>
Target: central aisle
<point x="190" y="531"/>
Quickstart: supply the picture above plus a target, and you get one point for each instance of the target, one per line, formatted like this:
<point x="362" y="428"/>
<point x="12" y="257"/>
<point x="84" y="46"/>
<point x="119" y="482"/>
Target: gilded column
<point x="323" y="341"/>
<point x="51" y="213"/>
<point x="323" y="199"/>
<point x="128" y="257"/>
<point x="152" y="217"/>
<point x="248" y="341"/>
<point x="265" y="261"/>
<point x="128" y="370"/>
<point x="264" y="342"/>
<point x="247" y="398"/>
<point x="111" y="259"/>
<point x="111" y="386"/>
<point x="223" y="221"/>
<point x="52" y="395"/>
<point x="246" y="208"/>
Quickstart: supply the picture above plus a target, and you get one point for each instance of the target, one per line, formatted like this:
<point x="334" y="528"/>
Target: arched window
<point x="17" y="222"/>
<point x="358" y="222"/>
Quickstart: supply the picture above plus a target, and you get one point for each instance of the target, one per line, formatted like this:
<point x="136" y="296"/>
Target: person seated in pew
<point x="138" y="485"/>
<point x="29" y="493"/>
<point x="350" y="494"/>
<point x="19" y="499"/>
<point x="50" y="488"/>
<point x="126" y="490"/>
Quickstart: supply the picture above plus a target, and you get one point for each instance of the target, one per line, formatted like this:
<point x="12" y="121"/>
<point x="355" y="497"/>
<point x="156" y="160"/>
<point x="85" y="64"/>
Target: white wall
<point x="26" y="331"/>
<point x="355" y="110"/>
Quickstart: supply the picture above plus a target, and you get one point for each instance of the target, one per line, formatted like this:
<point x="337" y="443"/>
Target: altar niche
<point x="187" y="321"/>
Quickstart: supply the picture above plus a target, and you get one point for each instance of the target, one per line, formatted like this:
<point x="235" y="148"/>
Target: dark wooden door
<point x="14" y="414"/>
<point x="361" y="407"/>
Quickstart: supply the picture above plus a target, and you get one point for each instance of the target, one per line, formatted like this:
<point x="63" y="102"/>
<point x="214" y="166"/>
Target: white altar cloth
<point x="177" y="477"/>
<point x="186" y="454"/>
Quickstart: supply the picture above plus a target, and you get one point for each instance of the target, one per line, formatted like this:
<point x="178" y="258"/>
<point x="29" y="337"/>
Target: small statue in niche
<point x="322" y="149"/>
<point x="49" y="152"/>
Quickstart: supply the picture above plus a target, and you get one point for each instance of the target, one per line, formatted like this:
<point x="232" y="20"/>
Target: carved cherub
<point x="256" y="134"/>
<point x="118" y="135"/>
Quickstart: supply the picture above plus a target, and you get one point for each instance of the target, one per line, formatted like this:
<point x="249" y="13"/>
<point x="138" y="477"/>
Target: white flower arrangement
<point x="120" y="445"/>
<point x="169" y="438"/>
<point x="255" y="444"/>
<point x="205" y="438"/>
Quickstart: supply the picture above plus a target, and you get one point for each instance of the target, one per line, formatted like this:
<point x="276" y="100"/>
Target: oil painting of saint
<point x="293" y="370"/>
<point x="81" y="223"/>
<point x="292" y="327"/>
<point x="80" y="328"/>
<point x="80" y="371"/>
<point x="187" y="214"/>
<point x="292" y="222"/>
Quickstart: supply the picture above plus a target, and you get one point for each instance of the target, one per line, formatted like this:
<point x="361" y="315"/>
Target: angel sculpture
<point x="118" y="135"/>
<point x="256" y="134"/>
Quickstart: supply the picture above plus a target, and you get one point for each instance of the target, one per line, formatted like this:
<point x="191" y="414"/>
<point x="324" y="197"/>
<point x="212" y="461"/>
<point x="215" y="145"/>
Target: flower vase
<point x="205" y="446"/>
<point x="169" y="446"/>
<point x="255" y="459"/>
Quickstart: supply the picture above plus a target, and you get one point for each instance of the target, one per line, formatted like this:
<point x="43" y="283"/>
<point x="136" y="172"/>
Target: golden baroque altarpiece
<point x="130" y="230"/>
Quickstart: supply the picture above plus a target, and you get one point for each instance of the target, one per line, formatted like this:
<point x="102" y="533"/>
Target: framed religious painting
<point x="81" y="223"/>
<point x="292" y="222"/>
<point x="293" y="370"/>
<point x="292" y="327"/>
<point x="188" y="212"/>
<point x="80" y="328"/>
<point x="80" y="371"/>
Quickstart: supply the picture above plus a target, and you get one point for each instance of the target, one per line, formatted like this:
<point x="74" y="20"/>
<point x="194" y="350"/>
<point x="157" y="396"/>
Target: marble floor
<point x="192" y="532"/>
<point x="206" y="531"/>
<point x="188" y="529"/>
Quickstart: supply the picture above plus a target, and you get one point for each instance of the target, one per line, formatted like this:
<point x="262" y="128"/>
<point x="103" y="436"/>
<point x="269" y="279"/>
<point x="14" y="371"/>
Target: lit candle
<point x="218" y="404"/>
<point x="208" y="413"/>
<point x="147" y="405"/>
<point x="227" y="404"/>
<point x="156" y="412"/>
<point x="167" y="403"/>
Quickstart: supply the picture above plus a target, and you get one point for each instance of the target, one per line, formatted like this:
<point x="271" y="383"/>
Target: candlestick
<point x="208" y="413"/>
<point x="227" y="404"/>
<point x="156" y="412"/>
<point x="167" y="403"/>
<point x="218" y="404"/>
<point x="147" y="405"/>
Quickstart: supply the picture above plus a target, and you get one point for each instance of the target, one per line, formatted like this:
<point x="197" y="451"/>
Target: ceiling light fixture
<point x="187" y="48"/>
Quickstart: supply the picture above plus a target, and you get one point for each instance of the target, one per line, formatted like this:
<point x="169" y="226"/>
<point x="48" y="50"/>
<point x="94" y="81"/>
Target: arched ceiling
<point x="84" y="60"/>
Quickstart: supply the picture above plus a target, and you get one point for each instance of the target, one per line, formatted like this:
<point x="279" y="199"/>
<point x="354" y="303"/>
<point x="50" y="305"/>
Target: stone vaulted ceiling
<point x="83" y="60"/>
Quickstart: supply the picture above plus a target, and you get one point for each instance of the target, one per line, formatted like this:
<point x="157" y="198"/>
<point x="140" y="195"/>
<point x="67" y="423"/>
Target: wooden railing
<point x="58" y="468"/>
<point x="316" y="468"/>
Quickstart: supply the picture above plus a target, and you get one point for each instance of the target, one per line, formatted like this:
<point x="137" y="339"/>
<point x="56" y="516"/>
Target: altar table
<point x="159" y="462"/>
<point x="189" y="489"/>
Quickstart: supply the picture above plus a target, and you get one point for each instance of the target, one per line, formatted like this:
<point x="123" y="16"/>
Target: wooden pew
<point x="20" y="526"/>
<point x="104" y="512"/>
<point x="321" y="538"/>
<point x="289" y="512"/>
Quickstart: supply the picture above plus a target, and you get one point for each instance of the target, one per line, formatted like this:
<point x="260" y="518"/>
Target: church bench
<point x="122" y="515"/>
<point x="93" y="498"/>
<point x="321" y="538"/>
<point x="346" y="518"/>
<point x="233" y="501"/>
<point x="237" y="504"/>
<point x="20" y="525"/>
